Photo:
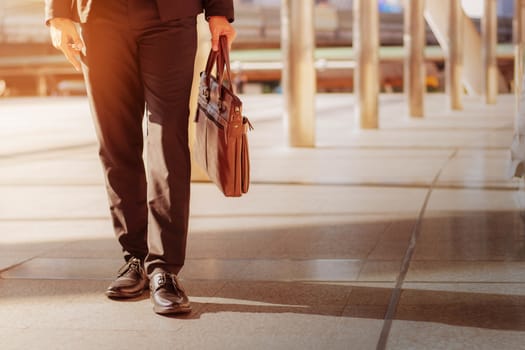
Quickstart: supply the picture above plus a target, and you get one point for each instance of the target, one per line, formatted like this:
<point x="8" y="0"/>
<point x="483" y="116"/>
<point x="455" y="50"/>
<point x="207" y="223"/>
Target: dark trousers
<point x="134" y="61"/>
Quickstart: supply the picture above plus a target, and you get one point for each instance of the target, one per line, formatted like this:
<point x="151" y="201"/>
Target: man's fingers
<point x="65" y="37"/>
<point x="75" y="41"/>
<point x="215" y="42"/>
<point x="56" y="37"/>
<point x="71" y="55"/>
<point x="71" y="45"/>
<point x="219" y="25"/>
<point x="230" y="35"/>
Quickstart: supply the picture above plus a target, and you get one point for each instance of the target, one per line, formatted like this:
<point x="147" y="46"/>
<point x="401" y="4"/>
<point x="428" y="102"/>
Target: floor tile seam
<point x="291" y="281"/>
<point x="45" y="151"/>
<point x="60" y="184"/>
<point x="396" y="293"/>
<point x="409" y="214"/>
<point x="366" y="260"/>
<point x="43" y="256"/>
<point x="115" y="258"/>
<point x="225" y="281"/>
<point x="469" y="262"/>
<point x="53" y="219"/>
<point x="284" y="280"/>
<point x="10" y="267"/>
<point x="521" y="189"/>
<point x="460" y="186"/>
<point x="280" y="215"/>
<point x="40" y="255"/>
<point x="230" y="280"/>
<point x="220" y="216"/>
<point x="346" y="184"/>
<point x="397" y="147"/>
<point x="465" y="281"/>
<point x="57" y="279"/>
<point x="75" y="154"/>
<point x="33" y="327"/>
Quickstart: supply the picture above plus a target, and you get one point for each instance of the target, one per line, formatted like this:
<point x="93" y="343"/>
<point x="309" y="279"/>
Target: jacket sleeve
<point x="219" y="8"/>
<point x="58" y="8"/>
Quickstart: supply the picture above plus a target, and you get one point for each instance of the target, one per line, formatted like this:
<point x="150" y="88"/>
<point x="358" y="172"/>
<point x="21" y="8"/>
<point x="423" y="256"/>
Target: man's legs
<point x="133" y="57"/>
<point x="116" y="95"/>
<point x="166" y="56"/>
<point x="117" y="103"/>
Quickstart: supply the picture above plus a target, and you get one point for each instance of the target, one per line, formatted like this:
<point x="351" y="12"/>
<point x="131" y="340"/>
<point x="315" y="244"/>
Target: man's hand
<point x="64" y="36"/>
<point x="219" y="25"/>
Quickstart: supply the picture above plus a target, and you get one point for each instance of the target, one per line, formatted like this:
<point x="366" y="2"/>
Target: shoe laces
<point x="169" y="282"/>
<point x="133" y="264"/>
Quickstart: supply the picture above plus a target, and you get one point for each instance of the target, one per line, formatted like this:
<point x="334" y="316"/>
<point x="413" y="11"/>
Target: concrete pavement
<point x="410" y="237"/>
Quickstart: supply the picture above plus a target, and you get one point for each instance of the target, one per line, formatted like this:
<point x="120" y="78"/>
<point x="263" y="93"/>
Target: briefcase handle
<point x="221" y="59"/>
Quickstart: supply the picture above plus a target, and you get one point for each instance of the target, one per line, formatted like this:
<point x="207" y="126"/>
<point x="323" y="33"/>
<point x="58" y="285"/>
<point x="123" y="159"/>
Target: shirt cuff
<point x="228" y="13"/>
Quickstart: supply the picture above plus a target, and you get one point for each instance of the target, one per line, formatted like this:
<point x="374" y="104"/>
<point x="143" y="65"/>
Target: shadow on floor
<point x="495" y="236"/>
<point x="479" y="310"/>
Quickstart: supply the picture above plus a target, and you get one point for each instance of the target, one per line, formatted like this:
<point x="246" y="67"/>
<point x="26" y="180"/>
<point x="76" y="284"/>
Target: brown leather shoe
<point x="131" y="282"/>
<point x="167" y="294"/>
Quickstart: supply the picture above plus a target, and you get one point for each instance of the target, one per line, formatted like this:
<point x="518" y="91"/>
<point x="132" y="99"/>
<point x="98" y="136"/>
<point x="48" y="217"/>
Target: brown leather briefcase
<point x="221" y="142"/>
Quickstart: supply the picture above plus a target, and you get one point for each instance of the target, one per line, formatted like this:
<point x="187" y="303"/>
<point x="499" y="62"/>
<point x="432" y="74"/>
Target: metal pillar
<point x="2" y="21"/>
<point x="489" y="36"/>
<point x="41" y="83"/>
<point x="519" y="40"/>
<point x="366" y="76"/>
<point x="517" y="149"/>
<point x="299" y="76"/>
<point x="415" y="42"/>
<point x="454" y="64"/>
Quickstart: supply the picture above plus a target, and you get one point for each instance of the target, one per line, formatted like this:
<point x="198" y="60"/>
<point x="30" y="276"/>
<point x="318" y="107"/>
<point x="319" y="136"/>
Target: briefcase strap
<point x="221" y="59"/>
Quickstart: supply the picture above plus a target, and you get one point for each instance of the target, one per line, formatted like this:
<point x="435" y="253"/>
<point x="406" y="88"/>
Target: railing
<point x="25" y="42"/>
<point x="257" y="27"/>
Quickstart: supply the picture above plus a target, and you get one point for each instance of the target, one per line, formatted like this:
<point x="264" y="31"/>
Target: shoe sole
<point x="117" y="295"/>
<point x="172" y="311"/>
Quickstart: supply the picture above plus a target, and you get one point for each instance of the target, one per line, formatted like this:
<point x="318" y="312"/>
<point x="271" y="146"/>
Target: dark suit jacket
<point x="78" y="10"/>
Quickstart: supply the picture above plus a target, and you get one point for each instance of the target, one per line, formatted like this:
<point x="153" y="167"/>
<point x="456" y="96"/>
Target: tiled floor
<point x="408" y="237"/>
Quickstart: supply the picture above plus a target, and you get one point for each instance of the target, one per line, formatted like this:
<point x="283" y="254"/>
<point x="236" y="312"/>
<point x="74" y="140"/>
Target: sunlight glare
<point x="473" y="8"/>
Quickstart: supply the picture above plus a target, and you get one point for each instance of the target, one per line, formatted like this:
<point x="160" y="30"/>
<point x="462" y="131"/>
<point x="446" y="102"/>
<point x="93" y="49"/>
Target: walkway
<point x="409" y="237"/>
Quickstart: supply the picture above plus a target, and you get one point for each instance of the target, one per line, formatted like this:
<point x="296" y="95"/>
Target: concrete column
<point x="41" y="83"/>
<point x="366" y="75"/>
<point x="2" y="19"/>
<point x="518" y="38"/>
<point x="437" y="17"/>
<point x="517" y="148"/>
<point x="415" y="42"/>
<point x="489" y="36"/>
<point x="299" y="76"/>
<point x="454" y="63"/>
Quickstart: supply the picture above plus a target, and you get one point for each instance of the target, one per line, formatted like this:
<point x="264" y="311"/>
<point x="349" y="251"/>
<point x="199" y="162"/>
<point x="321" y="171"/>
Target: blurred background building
<point x="30" y="66"/>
